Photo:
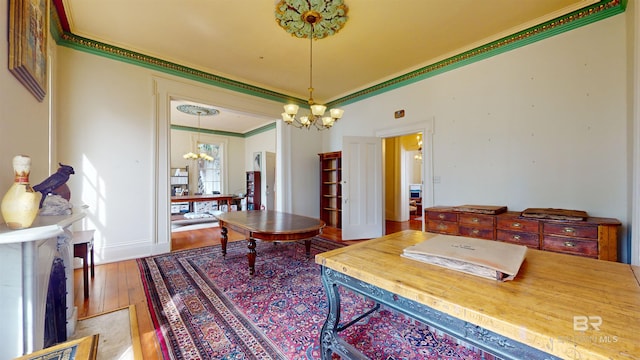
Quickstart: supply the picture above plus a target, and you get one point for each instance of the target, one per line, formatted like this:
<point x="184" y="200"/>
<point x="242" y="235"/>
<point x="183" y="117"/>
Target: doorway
<point x="407" y="173"/>
<point x="403" y="177"/>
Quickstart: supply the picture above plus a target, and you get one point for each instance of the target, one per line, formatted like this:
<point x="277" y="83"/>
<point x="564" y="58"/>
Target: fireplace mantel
<point x="26" y="256"/>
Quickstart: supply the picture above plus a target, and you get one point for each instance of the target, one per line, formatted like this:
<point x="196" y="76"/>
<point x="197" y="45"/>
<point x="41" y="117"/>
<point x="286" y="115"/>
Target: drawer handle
<point x="516" y="237"/>
<point x="569" y="230"/>
<point x="569" y="244"/>
<point x="475" y="220"/>
<point x="441" y="216"/>
<point x="516" y="225"/>
<point x="475" y="231"/>
<point x="442" y="226"/>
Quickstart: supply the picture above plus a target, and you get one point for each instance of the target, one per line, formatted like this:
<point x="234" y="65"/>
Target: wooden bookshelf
<point x="331" y="189"/>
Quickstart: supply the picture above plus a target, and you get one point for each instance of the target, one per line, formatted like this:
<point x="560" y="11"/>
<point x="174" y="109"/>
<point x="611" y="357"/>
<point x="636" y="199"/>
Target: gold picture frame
<point x="28" y="34"/>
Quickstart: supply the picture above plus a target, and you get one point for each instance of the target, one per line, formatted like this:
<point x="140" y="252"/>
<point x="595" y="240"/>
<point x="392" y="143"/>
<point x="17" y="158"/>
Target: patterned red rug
<point x="204" y="306"/>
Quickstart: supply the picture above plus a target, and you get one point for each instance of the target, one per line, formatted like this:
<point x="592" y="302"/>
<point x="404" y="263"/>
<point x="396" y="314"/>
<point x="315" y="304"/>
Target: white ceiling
<point x="241" y="40"/>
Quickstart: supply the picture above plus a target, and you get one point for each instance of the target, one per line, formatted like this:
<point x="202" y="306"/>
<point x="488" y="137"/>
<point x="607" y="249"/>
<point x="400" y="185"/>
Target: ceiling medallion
<point x="197" y="110"/>
<point x="316" y="18"/>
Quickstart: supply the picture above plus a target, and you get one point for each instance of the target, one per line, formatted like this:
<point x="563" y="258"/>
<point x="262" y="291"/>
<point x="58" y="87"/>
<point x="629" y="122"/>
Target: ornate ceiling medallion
<point x="197" y="110"/>
<point x="298" y="17"/>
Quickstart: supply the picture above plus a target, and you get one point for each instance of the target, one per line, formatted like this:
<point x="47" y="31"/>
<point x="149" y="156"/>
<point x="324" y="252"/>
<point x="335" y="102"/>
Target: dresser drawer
<point x="528" y="239"/>
<point x="574" y="246"/>
<point x="442" y="216"/>
<point x="516" y="223"/>
<point x="572" y="230"/>
<point x="482" y="233"/>
<point x="476" y="221"/>
<point x="442" y="227"/>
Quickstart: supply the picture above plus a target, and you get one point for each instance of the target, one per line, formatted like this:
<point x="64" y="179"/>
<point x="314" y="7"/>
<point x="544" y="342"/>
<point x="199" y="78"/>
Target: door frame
<point x="426" y="127"/>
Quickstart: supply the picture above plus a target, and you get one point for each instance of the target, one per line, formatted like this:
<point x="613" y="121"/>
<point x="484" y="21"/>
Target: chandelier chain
<point x="311" y="66"/>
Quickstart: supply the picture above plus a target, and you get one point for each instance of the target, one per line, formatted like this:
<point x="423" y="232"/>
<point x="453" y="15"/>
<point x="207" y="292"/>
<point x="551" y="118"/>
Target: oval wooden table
<point x="268" y="225"/>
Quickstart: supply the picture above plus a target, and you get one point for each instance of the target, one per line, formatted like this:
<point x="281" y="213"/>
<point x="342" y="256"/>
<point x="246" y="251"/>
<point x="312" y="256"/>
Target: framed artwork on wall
<point x="28" y="33"/>
<point x="257" y="161"/>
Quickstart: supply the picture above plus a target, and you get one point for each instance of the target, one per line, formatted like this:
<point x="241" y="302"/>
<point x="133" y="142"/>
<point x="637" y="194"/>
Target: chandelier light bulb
<point x="336" y="113"/>
<point x="327" y="121"/>
<point x="291" y="109"/>
<point x="318" y="110"/>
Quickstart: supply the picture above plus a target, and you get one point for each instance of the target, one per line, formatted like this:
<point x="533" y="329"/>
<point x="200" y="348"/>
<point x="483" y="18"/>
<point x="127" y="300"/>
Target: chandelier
<point x="313" y="19"/>
<point x="199" y="111"/>
<point x="418" y="156"/>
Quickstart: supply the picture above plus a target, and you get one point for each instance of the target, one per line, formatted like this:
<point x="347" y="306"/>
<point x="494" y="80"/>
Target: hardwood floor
<point x="117" y="285"/>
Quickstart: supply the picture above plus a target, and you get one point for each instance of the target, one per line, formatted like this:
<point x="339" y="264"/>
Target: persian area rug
<point x="204" y="306"/>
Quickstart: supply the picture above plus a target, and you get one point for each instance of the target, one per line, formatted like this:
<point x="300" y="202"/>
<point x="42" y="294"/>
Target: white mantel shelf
<point x="26" y="256"/>
<point x="43" y="227"/>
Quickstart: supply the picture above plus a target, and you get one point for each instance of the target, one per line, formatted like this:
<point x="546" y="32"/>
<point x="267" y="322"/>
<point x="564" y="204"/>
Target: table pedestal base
<point x="251" y="245"/>
<point x="330" y="342"/>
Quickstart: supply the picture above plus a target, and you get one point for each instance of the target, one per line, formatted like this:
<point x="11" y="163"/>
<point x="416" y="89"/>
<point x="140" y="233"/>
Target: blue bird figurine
<point x="53" y="182"/>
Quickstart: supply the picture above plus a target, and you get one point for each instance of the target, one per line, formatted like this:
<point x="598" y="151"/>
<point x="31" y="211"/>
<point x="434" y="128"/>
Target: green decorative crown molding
<point x="248" y="134"/>
<point x="570" y="21"/>
<point x="299" y="17"/>
<point x="590" y="14"/>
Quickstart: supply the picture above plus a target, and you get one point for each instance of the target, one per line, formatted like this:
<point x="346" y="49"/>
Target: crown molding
<point x="248" y="134"/>
<point x="603" y="9"/>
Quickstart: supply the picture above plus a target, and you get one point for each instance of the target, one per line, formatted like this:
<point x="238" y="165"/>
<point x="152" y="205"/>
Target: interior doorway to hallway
<point x="403" y="173"/>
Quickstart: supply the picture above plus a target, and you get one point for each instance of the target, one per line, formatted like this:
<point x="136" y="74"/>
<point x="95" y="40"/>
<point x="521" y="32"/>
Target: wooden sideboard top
<point x="545" y="306"/>
<point x="589" y="220"/>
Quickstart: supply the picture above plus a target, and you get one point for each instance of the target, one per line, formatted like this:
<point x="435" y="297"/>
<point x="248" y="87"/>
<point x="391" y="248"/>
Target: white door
<point x="362" y="207"/>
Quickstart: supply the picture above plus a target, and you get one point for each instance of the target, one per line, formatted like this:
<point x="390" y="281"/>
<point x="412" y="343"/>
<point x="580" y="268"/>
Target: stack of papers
<point x="487" y="258"/>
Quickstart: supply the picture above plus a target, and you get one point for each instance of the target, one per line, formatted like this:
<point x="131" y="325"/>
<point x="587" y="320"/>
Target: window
<point x="210" y="172"/>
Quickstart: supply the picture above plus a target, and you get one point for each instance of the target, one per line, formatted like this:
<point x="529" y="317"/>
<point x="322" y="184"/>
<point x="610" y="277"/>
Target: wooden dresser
<point x="594" y="237"/>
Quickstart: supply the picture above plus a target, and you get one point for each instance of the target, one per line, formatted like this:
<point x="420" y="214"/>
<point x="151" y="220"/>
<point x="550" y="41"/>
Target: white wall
<point x="540" y="126"/>
<point x="297" y="157"/>
<point x="114" y="130"/>
<point x="264" y="141"/>
<point x="105" y="130"/>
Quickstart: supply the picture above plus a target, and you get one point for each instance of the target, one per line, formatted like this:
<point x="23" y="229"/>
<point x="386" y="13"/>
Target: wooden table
<point x="567" y="306"/>
<point x="267" y="225"/>
<point x="196" y="198"/>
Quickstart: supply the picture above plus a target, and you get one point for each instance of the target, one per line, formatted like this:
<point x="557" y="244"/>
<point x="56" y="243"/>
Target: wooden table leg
<point x="307" y="247"/>
<point x="93" y="272"/>
<point x="223" y="240"/>
<point x="251" y="244"/>
<point x="85" y="270"/>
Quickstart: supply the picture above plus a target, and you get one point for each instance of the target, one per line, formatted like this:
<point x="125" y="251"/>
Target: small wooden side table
<point x="83" y="248"/>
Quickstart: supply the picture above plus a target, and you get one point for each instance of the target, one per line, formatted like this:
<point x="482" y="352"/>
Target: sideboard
<point x="594" y="237"/>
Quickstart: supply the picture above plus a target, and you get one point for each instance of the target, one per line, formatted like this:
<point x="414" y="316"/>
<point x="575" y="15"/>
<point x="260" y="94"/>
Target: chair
<point x="83" y="248"/>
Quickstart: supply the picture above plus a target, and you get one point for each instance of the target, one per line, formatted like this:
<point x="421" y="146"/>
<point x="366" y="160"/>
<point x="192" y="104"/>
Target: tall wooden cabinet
<point x="330" y="188"/>
<point x="254" y="194"/>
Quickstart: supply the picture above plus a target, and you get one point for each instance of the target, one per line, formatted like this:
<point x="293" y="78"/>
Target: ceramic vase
<point x="21" y="203"/>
